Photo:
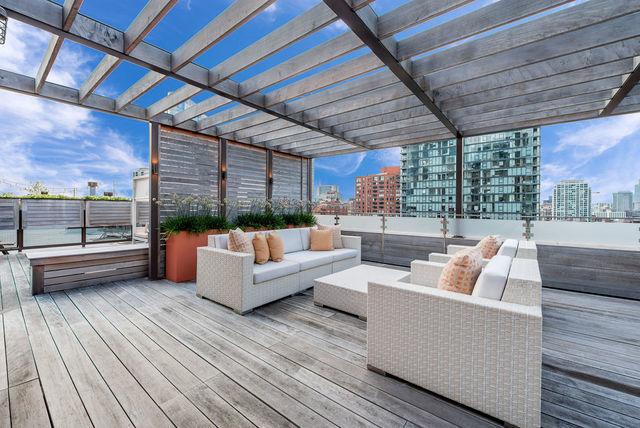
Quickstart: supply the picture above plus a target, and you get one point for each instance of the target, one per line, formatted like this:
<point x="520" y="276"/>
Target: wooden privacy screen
<point x="190" y="164"/>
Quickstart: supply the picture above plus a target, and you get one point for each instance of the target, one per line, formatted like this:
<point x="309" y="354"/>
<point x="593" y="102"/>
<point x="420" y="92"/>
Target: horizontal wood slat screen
<point x="51" y="212"/>
<point x="8" y="214"/>
<point x="108" y="213"/>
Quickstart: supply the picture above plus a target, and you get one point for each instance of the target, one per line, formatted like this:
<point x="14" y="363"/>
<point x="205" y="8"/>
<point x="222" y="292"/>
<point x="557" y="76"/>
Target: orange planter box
<point x="182" y="254"/>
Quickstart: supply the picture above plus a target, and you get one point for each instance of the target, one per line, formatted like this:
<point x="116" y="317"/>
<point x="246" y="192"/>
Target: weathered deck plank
<point x="139" y="352"/>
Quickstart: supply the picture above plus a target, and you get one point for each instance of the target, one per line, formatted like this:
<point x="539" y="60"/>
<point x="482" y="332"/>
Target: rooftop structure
<point x="97" y="334"/>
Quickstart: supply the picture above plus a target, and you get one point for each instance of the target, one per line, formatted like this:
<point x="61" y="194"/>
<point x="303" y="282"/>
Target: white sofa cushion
<point x="305" y="235"/>
<point x="310" y="259"/>
<point x="493" y="279"/>
<point x="508" y="248"/>
<point x="292" y="240"/>
<point x="343" y="254"/>
<point x="272" y="270"/>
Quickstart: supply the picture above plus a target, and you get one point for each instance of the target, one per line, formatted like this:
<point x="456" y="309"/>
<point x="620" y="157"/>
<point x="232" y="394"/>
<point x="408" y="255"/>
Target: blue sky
<point x="66" y="146"/>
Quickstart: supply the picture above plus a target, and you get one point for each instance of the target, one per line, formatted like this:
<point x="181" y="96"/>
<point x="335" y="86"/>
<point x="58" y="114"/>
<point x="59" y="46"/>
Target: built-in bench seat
<point x="62" y="269"/>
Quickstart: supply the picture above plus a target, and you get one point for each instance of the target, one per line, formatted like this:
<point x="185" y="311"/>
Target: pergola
<point x="510" y="64"/>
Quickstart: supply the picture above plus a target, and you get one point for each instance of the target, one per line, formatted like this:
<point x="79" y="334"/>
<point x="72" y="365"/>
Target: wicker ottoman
<point x="347" y="290"/>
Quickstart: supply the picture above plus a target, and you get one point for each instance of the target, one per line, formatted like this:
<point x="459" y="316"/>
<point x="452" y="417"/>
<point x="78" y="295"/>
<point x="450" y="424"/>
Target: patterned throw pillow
<point x="461" y="271"/>
<point x="261" y="248"/>
<point x="489" y="246"/>
<point x="239" y="242"/>
<point x="276" y="247"/>
<point x="335" y="233"/>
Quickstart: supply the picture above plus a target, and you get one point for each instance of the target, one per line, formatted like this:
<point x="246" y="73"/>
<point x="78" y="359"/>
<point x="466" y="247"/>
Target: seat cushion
<point x="343" y="254"/>
<point x="310" y="259"/>
<point x="493" y="279"/>
<point x="272" y="270"/>
<point x="508" y="248"/>
<point x="461" y="272"/>
<point x="292" y="240"/>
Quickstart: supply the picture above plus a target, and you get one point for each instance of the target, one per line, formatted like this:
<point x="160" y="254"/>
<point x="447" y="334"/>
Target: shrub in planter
<point x="259" y="221"/>
<point x="299" y="219"/>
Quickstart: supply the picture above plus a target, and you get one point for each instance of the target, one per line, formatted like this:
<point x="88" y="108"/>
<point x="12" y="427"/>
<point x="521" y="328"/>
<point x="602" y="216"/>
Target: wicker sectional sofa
<point x="232" y="279"/>
<point x="481" y="352"/>
<point x="511" y="247"/>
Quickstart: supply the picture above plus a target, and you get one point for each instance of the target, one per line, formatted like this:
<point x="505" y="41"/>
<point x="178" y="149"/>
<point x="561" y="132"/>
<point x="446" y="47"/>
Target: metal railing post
<point x="445" y="231"/>
<point x="20" y="231"/>
<point x="528" y="225"/>
<point x="83" y="235"/>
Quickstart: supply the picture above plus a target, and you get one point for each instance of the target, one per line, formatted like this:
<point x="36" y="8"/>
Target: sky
<point x="66" y="146"/>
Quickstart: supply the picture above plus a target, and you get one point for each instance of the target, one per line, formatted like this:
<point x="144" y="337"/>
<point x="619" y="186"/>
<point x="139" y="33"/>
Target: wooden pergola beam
<point x="41" y="13"/>
<point x="146" y="20"/>
<point x="624" y="90"/>
<point x="380" y="50"/>
<point x="70" y="10"/>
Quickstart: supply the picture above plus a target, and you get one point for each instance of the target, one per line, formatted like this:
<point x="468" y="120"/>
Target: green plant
<point x="193" y="224"/>
<point x="65" y="197"/>
<point x="299" y="219"/>
<point x="260" y="220"/>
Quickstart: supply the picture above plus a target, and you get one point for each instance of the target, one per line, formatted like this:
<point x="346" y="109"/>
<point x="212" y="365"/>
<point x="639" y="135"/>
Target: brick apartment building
<point x="379" y="193"/>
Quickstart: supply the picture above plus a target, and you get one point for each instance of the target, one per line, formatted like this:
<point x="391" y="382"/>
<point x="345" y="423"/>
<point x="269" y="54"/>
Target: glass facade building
<point x="501" y="176"/>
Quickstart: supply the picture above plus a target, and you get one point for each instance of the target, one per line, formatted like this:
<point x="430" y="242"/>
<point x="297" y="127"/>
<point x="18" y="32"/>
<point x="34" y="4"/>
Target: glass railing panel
<point x="362" y="223"/>
<point x="622" y="235"/>
<point x="479" y="228"/>
<point x="414" y="225"/>
<point x="52" y="236"/>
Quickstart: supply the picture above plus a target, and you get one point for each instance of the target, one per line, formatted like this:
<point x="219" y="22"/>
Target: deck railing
<point x="41" y="223"/>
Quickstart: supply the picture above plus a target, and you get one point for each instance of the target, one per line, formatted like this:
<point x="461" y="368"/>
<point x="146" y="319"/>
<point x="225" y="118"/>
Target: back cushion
<point x="304" y="235"/>
<point x="508" y="248"/>
<point x="461" y="272"/>
<point x="493" y="278"/>
<point x="292" y="240"/>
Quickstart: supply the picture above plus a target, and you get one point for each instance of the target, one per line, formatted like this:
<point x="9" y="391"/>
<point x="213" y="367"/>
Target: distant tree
<point x="37" y="188"/>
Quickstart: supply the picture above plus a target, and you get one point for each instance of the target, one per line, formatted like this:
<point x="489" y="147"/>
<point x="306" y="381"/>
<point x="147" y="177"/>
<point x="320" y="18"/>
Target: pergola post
<point x="459" y="175"/>
<point x="154" y="199"/>
<point x="222" y="176"/>
<point x="269" y="177"/>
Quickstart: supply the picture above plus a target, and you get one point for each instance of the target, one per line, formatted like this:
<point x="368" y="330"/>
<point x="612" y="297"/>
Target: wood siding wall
<point x="591" y="270"/>
<point x="188" y="166"/>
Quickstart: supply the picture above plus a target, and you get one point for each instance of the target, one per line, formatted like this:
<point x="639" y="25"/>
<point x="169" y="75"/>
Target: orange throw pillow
<point x="276" y="247"/>
<point x="335" y="233"/>
<point x="489" y="246"/>
<point x="321" y="240"/>
<point x="261" y="248"/>
<point x="461" y="271"/>
<point x="239" y="242"/>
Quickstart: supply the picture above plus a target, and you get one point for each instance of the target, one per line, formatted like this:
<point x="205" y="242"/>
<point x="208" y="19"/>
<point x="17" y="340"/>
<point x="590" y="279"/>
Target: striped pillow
<point x="240" y="243"/>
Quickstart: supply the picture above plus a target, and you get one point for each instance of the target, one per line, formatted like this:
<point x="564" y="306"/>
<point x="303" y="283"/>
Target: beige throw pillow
<point x="261" y="248"/>
<point x="335" y="233"/>
<point x="276" y="247"/>
<point x="239" y="242"/>
<point x="461" y="271"/>
<point x="489" y="246"/>
<point x="321" y="240"/>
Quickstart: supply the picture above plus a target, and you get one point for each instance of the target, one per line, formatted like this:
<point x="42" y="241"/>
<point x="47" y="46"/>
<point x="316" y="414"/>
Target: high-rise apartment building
<point x="572" y="198"/>
<point x="636" y="197"/>
<point x="327" y="192"/>
<point x="501" y="174"/>
<point x="622" y="201"/>
<point x="378" y="193"/>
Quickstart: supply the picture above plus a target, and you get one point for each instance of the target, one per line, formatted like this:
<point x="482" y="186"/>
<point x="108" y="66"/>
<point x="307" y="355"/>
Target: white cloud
<point x="591" y="140"/>
<point x="387" y="157"/>
<point x="62" y="145"/>
<point x="341" y="166"/>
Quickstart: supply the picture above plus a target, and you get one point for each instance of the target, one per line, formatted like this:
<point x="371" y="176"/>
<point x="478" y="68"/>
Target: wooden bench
<point x="56" y="270"/>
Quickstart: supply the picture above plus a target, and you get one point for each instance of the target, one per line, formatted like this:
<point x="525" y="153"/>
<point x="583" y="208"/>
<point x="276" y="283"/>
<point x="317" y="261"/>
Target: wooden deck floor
<point x="152" y="354"/>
